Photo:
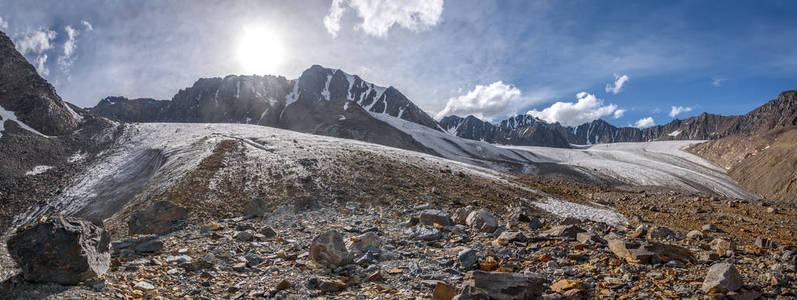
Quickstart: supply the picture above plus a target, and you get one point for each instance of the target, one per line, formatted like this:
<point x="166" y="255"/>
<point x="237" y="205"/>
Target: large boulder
<point x="65" y="250"/>
<point x="368" y="241"/>
<point x="431" y="216"/>
<point x="160" y="217"/>
<point x="649" y="252"/>
<point x="482" y="220"/>
<point x="328" y="249"/>
<point x="722" y="277"/>
<point x="505" y="286"/>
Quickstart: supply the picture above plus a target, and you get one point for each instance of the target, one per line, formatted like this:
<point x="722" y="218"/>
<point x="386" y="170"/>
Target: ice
<point x="661" y="163"/>
<point x="674" y="133"/>
<point x="567" y="209"/>
<point x="38" y="170"/>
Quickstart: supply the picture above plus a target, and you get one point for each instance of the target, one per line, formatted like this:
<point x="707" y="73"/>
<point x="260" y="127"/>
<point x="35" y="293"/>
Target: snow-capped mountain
<point x="321" y="101"/>
<point x="520" y="130"/>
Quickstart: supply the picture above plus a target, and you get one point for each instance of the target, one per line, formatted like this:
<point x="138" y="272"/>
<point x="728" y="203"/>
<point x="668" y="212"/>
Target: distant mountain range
<point x="332" y="102"/>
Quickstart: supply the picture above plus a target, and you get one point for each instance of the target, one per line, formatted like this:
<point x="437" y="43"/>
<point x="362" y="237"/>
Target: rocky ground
<point x="401" y="251"/>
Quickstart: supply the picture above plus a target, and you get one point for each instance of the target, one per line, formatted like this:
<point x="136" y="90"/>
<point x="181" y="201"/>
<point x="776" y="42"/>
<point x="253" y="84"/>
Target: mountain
<point x="321" y="101"/>
<point x="43" y="139"/>
<point x="520" y="130"/>
<point x="524" y="130"/>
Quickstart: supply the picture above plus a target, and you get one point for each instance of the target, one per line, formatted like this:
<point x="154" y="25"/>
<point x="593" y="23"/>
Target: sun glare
<point x="260" y="51"/>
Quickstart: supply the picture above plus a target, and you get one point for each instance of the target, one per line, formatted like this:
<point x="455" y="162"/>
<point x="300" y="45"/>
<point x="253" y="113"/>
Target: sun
<point x="260" y="51"/>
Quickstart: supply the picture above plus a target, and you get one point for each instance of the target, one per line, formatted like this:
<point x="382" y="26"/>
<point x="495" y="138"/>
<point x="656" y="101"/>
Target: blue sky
<point x="487" y="58"/>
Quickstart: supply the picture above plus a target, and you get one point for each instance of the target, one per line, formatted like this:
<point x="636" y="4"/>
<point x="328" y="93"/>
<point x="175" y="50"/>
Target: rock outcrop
<point x="64" y="250"/>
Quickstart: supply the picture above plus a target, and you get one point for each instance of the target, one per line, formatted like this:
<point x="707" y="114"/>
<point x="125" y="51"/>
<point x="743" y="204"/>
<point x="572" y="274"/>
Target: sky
<point x="632" y="63"/>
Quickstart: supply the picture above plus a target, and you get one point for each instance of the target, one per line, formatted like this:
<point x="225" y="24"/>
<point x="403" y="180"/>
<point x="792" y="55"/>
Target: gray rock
<point x="160" y="217"/>
<point x="460" y="216"/>
<point x="764" y="243"/>
<point x="362" y="243"/>
<point x="178" y="259"/>
<point x="722" y="277"/>
<point x="328" y="249"/>
<point x="695" y="235"/>
<point x="64" y="250"/>
<point x="660" y="232"/>
<point x="244" y="236"/>
<point x="569" y="231"/>
<point x="586" y="237"/>
<point x="268" y="232"/>
<point x="431" y="216"/>
<point x="709" y="227"/>
<point x="505" y="286"/>
<point x="467" y="258"/>
<point x="482" y="220"/>
<point x="252" y="259"/>
<point x="256" y="207"/>
<point x="148" y="246"/>
<point x="426" y="233"/>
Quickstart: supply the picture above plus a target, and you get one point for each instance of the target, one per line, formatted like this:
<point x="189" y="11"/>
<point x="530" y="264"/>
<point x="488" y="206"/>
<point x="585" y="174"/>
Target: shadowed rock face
<point x="29" y="96"/>
<point x="64" y="250"/>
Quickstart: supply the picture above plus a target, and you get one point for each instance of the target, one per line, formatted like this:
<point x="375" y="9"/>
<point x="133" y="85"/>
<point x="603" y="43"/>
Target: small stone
<point x="587" y="237"/>
<point x="443" y="291"/>
<point x="511" y="236"/>
<point x="143" y="286"/>
<point x="268" y="232"/>
<point x="568" y="231"/>
<point x="430" y="217"/>
<point x="426" y="233"/>
<point x="695" y="235"/>
<point x="564" y="285"/>
<point x="252" y="259"/>
<point x="328" y="249"/>
<point x="771" y="210"/>
<point x="330" y="285"/>
<point x="284" y="285"/>
<point x="214" y="226"/>
<point x="482" y="220"/>
<point x="178" y="259"/>
<point x="363" y="243"/>
<point x="375" y="276"/>
<point x="709" y="227"/>
<point x="460" y="216"/>
<point x="722" y="246"/>
<point x="764" y="243"/>
<point x="467" y="258"/>
<point x="660" y="232"/>
<point x="722" y="277"/>
<point x="244" y="236"/>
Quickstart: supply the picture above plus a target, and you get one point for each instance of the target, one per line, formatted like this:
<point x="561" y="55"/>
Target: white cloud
<point x="619" y="113"/>
<point x="619" y="81"/>
<point x="3" y="24"/>
<point x="644" y="122"/>
<point x="380" y="15"/>
<point x="65" y="61"/>
<point x="718" y="81"/>
<point x="485" y="102"/>
<point x="36" y="41"/>
<point x="40" y="62"/>
<point x="588" y="108"/>
<point x="87" y="25"/>
<point x="676" y="110"/>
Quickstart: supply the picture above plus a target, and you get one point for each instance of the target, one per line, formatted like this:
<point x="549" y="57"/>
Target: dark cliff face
<point x="32" y="99"/>
<point x="132" y="110"/>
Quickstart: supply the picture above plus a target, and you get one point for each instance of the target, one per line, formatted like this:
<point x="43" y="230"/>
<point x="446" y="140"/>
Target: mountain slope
<point x="43" y="140"/>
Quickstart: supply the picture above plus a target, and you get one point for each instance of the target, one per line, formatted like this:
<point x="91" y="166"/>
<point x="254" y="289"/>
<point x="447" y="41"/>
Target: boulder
<point x="505" y="286"/>
<point x="160" y="217"/>
<point x="65" y="250"/>
<point x="764" y="243"/>
<point x="587" y="237"/>
<point x="244" y="236"/>
<point x="256" y="207"/>
<point x="695" y="235"/>
<point x="649" y="253"/>
<point x="722" y="246"/>
<point x="467" y="258"/>
<point x="507" y="237"/>
<point x="460" y="216"/>
<point x="328" y="249"/>
<point x="430" y="217"/>
<point x="482" y="220"/>
<point x="722" y="277"/>
<point x="425" y="233"/>
<point x="568" y="231"/>
<point x="362" y="243"/>
<point x="660" y="232"/>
